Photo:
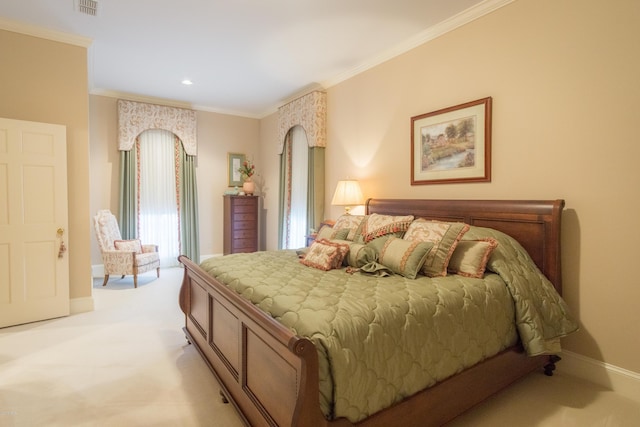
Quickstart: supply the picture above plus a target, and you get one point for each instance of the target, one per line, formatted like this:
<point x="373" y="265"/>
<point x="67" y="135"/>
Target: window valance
<point x="136" y="117"/>
<point x="308" y="111"/>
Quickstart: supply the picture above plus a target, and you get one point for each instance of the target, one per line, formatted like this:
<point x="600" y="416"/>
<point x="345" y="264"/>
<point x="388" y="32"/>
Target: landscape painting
<point x="452" y="144"/>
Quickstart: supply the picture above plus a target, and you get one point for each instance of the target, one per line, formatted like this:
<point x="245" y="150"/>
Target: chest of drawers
<point x="240" y="224"/>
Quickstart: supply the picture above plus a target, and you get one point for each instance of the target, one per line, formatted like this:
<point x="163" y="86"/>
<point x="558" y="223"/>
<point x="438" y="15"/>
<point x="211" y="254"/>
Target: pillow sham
<point x="325" y="255"/>
<point x="470" y="257"/>
<point x="349" y="222"/>
<point x="403" y="256"/>
<point x="444" y="236"/>
<point x="376" y="225"/>
<point x="132" y="245"/>
<point x="327" y="232"/>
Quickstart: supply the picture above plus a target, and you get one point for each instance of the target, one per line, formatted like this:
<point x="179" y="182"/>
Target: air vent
<point x="90" y="7"/>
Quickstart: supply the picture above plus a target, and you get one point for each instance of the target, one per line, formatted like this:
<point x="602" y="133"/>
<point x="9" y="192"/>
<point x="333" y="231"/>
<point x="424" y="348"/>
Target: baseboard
<point x="97" y="271"/>
<point x="619" y="380"/>
<point x="81" y="305"/>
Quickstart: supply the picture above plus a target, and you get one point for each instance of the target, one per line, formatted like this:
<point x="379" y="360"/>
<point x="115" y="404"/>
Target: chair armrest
<point x="149" y="248"/>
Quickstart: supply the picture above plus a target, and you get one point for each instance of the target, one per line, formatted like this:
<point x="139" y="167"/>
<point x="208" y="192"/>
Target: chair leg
<point x="158" y="270"/>
<point x="135" y="280"/>
<point x="122" y="277"/>
<point x="106" y="279"/>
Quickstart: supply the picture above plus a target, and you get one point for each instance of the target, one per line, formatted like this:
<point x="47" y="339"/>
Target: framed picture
<point x="234" y="161"/>
<point x="452" y="145"/>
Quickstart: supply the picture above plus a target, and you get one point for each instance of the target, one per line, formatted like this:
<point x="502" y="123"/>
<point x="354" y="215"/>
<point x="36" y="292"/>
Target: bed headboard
<point x="535" y="224"/>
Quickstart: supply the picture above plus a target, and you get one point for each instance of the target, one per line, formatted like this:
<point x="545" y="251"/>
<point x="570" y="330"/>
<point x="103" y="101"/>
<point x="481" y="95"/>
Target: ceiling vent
<point x="89" y="7"/>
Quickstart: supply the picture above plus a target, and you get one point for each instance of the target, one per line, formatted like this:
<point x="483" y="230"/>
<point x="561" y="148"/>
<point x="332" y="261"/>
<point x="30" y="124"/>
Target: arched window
<point x="134" y="119"/>
<point x="301" y="139"/>
<point x="158" y="219"/>
<point x="301" y="189"/>
<point x="158" y="201"/>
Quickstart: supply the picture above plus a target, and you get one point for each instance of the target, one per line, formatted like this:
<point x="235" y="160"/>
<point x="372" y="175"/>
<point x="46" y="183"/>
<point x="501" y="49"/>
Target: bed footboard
<point x="267" y="372"/>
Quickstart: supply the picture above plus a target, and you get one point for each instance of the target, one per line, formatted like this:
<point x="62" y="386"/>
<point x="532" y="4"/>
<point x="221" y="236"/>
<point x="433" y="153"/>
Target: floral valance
<point x="308" y="111"/>
<point x="136" y="117"/>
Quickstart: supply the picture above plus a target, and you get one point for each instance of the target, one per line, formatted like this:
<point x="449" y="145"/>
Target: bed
<point x="275" y="376"/>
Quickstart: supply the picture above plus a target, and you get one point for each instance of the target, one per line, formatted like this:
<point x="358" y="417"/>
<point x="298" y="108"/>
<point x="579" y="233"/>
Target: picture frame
<point x="234" y="162"/>
<point x="452" y="145"/>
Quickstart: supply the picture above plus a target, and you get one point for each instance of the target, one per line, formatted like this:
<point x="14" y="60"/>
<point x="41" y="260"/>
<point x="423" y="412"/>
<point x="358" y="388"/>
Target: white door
<point x="34" y="273"/>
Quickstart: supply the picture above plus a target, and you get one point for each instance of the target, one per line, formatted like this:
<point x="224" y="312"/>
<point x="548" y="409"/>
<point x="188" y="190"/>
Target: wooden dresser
<point x="240" y="224"/>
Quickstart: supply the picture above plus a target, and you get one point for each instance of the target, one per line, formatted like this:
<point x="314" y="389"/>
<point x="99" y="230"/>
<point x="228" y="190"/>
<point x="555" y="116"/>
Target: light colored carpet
<point x="127" y="364"/>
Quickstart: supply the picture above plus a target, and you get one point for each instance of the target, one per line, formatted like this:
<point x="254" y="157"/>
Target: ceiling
<point x="244" y="57"/>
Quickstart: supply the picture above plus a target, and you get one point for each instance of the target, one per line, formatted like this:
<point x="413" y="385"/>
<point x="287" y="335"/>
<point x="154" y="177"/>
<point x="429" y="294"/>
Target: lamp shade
<point x="348" y="193"/>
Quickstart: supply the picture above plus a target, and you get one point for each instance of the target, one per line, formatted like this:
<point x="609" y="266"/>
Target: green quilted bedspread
<point x="380" y="340"/>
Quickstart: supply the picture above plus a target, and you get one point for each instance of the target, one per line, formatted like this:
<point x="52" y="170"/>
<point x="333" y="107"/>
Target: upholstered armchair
<point x="123" y="257"/>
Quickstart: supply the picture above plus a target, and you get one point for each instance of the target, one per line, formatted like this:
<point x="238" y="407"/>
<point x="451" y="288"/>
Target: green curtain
<point x="128" y="210"/>
<point x="189" y="240"/>
<point x="188" y="194"/>
<point x="283" y="194"/>
<point x="315" y="187"/>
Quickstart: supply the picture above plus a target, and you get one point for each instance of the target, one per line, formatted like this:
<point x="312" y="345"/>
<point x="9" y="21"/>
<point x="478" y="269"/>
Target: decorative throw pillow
<point x="325" y="232"/>
<point x="376" y="225"/>
<point x="445" y="237"/>
<point x="360" y="255"/>
<point x="132" y="245"/>
<point x="329" y="233"/>
<point x="378" y="243"/>
<point x="471" y="256"/>
<point x="325" y="255"/>
<point x="349" y="222"/>
<point x="403" y="256"/>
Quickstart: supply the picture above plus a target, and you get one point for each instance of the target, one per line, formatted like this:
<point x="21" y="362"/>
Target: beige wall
<point x="218" y="134"/>
<point x="564" y="80"/>
<point x="46" y="81"/>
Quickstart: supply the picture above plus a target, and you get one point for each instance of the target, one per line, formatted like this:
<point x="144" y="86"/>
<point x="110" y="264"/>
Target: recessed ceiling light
<point x="187" y="82"/>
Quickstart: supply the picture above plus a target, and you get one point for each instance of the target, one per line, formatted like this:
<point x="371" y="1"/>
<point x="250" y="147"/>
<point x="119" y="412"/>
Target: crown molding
<point x="44" y="33"/>
<point x="456" y="21"/>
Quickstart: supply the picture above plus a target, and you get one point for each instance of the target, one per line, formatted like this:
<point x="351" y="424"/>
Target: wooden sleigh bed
<point x="271" y="375"/>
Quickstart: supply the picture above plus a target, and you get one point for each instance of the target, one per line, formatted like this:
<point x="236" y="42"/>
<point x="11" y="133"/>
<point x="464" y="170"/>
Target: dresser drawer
<point x="243" y="225"/>
<point x="242" y="206"/>
<point x="244" y="234"/>
<point x="249" y="216"/>
<point x="244" y="201"/>
<point x="244" y="245"/>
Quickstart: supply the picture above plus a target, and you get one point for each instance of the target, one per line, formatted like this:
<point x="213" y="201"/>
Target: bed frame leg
<point x="223" y="397"/>
<point x="551" y="366"/>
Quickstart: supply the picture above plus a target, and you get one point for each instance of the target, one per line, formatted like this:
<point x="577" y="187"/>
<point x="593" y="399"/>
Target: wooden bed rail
<point x="263" y="368"/>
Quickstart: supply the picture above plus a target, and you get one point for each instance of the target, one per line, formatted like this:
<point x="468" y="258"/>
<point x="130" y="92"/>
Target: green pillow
<point x="360" y="255"/>
<point x="403" y="256"/>
<point x="444" y="236"/>
<point x="471" y="256"/>
<point x="331" y="233"/>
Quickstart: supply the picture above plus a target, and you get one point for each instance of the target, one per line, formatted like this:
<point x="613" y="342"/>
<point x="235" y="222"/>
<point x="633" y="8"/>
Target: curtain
<point x="298" y="227"/>
<point x="284" y="199"/>
<point x="158" y="200"/>
<point x="315" y="191"/>
<point x="188" y="207"/>
<point x="128" y="210"/>
<point x="301" y="197"/>
<point x="178" y="173"/>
